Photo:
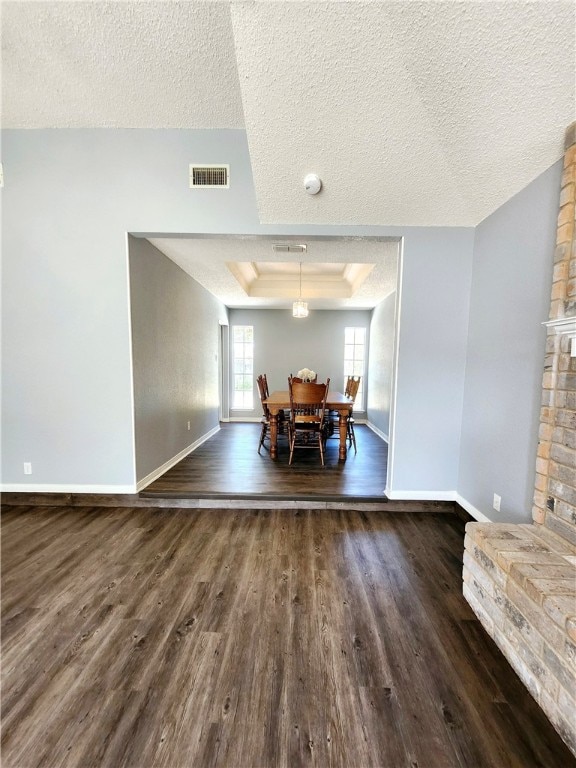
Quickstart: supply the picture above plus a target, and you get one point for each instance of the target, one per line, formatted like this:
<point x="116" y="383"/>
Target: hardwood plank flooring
<point x="229" y="464"/>
<point x="176" y="638"/>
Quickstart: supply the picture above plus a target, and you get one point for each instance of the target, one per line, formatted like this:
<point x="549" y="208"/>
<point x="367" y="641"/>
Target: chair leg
<point x="262" y="436"/>
<point x="352" y="436"/>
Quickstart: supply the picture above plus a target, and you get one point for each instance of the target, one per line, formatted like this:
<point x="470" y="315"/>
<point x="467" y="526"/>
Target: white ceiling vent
<point x="208" y="176"/>
<point x="289" y="248"/>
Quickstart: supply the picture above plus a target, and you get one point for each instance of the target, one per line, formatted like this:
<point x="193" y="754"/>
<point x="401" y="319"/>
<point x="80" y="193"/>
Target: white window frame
<point x="354" y="361"/>
<point x="247" y="365"/>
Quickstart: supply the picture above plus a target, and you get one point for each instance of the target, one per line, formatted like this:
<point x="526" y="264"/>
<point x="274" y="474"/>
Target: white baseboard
<point x="420" y="495"/>
<point x="107" y="489"/>
<point x="375" y="429"/>
<point x="174" y="460"/>
<point x="61" y="488"/>
<point x="438" y="496"/>
<point x="476" y="514"/>
<point x="255" y="419"/>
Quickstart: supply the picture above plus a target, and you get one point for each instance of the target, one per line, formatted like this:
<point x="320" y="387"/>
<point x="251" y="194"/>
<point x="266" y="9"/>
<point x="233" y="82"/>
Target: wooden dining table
<point x="336" y="401"/>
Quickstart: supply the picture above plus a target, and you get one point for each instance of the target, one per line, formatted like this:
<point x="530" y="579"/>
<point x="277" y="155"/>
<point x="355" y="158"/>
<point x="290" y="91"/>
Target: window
<point x="354" y="359"/>
<point x="243" y="366"/>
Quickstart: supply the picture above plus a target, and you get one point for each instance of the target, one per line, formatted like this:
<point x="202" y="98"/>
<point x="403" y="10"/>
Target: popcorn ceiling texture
<point x="411" y="113"/>
<point x="419" y="113"/>
<point x="205" y="260"/>
<point x="119" y="65"/>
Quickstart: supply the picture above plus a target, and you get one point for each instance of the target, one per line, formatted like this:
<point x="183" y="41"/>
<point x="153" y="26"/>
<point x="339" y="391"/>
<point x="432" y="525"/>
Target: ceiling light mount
<point x="312" y="184"/>
<point x="300" y="308"/>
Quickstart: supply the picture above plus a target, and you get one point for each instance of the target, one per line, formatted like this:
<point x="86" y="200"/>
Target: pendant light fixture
<point x="300" y="308"/>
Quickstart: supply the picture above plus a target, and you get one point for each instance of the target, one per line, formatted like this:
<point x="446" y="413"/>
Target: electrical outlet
<point x="27" y="468"/>
<point x="496" y="502"/>
<point x="188" y="425"/>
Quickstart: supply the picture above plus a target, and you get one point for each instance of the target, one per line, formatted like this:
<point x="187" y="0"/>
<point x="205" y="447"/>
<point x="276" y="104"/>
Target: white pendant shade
<point x="300" y="309"/>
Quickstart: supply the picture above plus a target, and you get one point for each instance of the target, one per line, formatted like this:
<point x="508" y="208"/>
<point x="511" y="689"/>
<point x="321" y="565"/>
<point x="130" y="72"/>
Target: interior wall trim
<point x="471" y="509"/>
<point x="390" y="470"/>
<point x="65" y="488"/>
<point x="130" y="359"/>
<point x="156" y="473"/>
<point x="439" y="496"/>
<point x="245" y="419"/>
<point x="374" y="429"/>
<point x="420" y="495"/>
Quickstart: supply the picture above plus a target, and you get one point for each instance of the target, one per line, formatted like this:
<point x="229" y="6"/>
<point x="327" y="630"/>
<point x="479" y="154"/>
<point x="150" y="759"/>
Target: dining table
<point x="279" y="400"/>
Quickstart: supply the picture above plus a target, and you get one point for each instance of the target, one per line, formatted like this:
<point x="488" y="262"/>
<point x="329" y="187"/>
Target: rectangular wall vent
<point x="207" y="175"/>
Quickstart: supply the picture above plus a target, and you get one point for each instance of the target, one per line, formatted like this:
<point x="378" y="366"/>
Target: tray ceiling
<point x="263" y="279"/>
<point x="412" y="113"/>
<point x="339" y="273"/>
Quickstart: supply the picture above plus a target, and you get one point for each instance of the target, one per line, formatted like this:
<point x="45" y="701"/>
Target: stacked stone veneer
<point x="521" y="579"/>
<point x="555" y="494"/>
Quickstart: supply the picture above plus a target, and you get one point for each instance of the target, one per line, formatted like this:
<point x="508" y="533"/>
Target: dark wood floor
<point x="172" y="638"/>
<point x="229" y="464"/>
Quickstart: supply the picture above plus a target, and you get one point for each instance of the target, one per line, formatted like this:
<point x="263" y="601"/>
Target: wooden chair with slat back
<point x="264" y="392"/>
<point x="264" y="381"/>
<point x="297" y="380"/>
<point x="352" y="386"/>
<point x="307" y="425"/>
<point x="350" y="390"/>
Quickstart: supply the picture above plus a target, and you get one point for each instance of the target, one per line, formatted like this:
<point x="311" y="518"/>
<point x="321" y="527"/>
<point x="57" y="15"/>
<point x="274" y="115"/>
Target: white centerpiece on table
<point x="306" y="374"/>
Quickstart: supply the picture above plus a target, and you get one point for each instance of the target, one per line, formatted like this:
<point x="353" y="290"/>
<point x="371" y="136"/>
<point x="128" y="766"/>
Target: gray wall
<point x="433" y="328"/>
<point x="380" y="369"/>
<point x="69" y="199"/>
<point x="510" y="298"/>
<point x="283" y="345"/>
<point x="175" y="329"/>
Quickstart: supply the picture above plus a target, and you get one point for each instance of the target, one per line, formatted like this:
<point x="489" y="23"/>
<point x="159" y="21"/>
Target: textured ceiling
<point x="412" y="113"/>
<point x="119" y="65"/>
<point x="304" y="280"/>
<point x="205" y="259"/>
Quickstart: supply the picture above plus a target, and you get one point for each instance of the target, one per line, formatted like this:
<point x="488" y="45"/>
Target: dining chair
<point x="264" y="380"/>
<point x="352" y="386"/>
<point x="298" y="380"/>
<point x="307" y="424"/>
<point x="350" y="391"/>
<point x="264" y="392"/>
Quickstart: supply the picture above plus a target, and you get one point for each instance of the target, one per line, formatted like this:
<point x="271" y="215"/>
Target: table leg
<point x="274" y="435"/>
<point x="343" y="429"/>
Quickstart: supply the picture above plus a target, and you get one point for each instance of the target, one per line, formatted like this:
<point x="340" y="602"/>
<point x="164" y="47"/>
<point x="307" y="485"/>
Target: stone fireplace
<point x="520" y="580"/>
<point x="555" y="492"/>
